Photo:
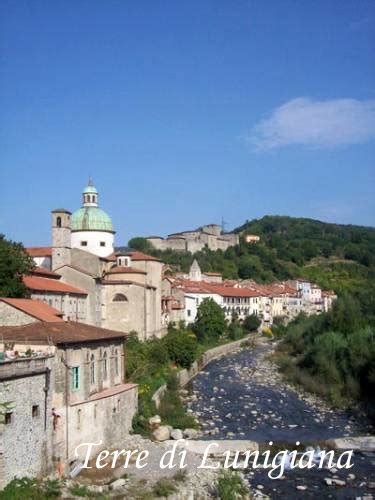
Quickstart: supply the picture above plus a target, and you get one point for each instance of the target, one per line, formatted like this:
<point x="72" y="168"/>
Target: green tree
<point x="14" y="263"/>
<point x="140" y="244"/>
<point x="210" y="321"/>
<point x="251" y="323"/>
<point x="182" y="347"/>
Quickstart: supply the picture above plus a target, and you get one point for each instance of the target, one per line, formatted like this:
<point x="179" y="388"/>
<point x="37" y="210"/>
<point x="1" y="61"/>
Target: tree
<point x="182" y="347"/>
<point x="140" y="244"/>
<point x="14" y="263"/>
<point x="251" y="323"/>
<point x="210" y="321"/>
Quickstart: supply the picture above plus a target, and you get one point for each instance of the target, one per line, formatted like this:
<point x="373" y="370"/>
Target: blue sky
<point x="184" y="112"/>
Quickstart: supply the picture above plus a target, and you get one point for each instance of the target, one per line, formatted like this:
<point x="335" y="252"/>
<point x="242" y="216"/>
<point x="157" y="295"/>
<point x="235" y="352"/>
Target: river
<point x="242" y="396"/>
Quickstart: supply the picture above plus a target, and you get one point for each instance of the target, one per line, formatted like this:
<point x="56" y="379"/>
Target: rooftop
<point x="63" y="332"/>
<point x="50" y="285"/>
<point x="46" y="273"/>
<point x="35" y="308"/>
<point x="142" y="256"/>
<point x="39" y="251"/>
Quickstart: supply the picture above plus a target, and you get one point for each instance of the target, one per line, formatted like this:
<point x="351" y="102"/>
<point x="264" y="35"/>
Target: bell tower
<point x="61" y="237"/>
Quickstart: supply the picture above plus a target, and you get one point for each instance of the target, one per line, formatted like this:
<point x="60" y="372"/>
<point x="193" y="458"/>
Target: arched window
<point x="105" y="366"/>
<point x="92" y="369"/>
<point x="58" y="221"/>
<point x="119" y="297"/>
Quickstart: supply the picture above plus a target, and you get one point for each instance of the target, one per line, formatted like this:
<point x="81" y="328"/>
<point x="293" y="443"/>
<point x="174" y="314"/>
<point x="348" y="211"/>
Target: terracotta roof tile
<point x="63" y="332"/>
<point x="35" y="308"/>
<point x="50" y="285"/>
<point x="39" y="251"/>
<point x="43" y="272"/>
<point x="141" y="256"/>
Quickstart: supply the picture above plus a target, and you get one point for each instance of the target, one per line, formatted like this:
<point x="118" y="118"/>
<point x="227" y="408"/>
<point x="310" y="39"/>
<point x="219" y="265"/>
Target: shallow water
<point x="241" y="397"/>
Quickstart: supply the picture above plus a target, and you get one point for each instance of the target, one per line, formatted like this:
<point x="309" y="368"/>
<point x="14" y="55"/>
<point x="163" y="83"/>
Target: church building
<point x="123" y="289"/>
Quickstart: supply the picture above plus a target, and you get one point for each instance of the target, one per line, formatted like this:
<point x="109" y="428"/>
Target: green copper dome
<point x="90" y="189"/>
<point x="91" y="219"/>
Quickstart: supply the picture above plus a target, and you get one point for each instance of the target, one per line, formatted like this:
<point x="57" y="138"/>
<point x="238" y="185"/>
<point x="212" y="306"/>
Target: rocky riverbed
<point x="242" y="396"/>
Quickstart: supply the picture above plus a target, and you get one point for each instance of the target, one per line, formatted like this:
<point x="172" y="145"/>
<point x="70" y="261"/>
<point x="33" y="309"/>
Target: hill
<point x="337" y="256"/>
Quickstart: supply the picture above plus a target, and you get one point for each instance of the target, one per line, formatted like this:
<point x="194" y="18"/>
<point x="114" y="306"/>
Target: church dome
<point x="91" y="219"/>
<point x="90" y="189"/>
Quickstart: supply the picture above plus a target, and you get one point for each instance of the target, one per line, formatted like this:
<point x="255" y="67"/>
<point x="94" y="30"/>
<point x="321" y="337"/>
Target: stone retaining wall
<point x="184" y="376"/>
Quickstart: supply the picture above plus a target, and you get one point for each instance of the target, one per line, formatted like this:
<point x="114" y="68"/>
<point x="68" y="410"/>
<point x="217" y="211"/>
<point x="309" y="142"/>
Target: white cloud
<point x="322" y="124"/>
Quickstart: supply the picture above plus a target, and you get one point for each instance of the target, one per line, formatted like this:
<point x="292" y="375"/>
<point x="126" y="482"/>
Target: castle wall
<point x="195" y="241"/>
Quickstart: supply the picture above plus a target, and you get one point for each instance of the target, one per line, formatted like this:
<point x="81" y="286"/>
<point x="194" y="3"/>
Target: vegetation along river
<point x="242" y="396"/>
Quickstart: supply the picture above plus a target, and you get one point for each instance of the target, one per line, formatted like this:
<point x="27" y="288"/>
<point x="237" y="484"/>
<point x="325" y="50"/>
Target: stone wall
<point x="186" y="375"/>
<point x="88" y="284"/>
<point x="72" y="306"/>
<point x="25" y="445"/>
<point x="10" y="316"/>
<point x="90" y="413"/>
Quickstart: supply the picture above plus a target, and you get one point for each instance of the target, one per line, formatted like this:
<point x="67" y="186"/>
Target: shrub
<point x="181" y="347"/>
<point x="251" y="323"/>
<point x="267" y="332"/>
<point x="172" y="411"/>
<point x="32" y="489"/>
<point x="80" y="490"/>
<point x="235" y="332"/>
<point x="230" y="486"/>
<point x="164" y="488"/>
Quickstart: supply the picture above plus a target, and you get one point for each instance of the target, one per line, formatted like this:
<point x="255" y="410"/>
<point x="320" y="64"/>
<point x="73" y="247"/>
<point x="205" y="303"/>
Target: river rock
<point x="190" y="434"/>
<point x="154" y="421"/>
<point x="177" y="434"/>
<point x="162" y="433"/>
<point x="119" y="483"/>
<point x="338" y="482"/>
<point x="361" y="443"/>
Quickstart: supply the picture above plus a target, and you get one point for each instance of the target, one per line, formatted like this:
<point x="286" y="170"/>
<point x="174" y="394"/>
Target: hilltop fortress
<point x="210" y="235"/>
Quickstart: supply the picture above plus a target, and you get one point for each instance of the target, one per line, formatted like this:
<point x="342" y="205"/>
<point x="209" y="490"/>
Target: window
<point x="8" y="418"/>
<point x="117" y="371"/>
<point x="35" y="411"/>
<point x="119" y="297"/>
<point x="123" y="261"/>
<point x="75" y="378"/>
<point x="102" y="243"/>
<point x="58" y="221"/>
<point x="105" y="366"/>
<point x="189" y="312"/>
<point x="79" y="419"/>
<point x="92" y="369"/>
<point x="83" y="243"/>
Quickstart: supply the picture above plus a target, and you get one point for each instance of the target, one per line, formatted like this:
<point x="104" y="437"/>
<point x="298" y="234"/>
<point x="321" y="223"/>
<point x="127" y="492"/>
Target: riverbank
<point x="243" y="396"/>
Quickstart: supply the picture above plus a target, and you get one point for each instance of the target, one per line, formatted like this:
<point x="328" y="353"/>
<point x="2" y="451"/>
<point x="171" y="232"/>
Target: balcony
<point x="20" y="367"/>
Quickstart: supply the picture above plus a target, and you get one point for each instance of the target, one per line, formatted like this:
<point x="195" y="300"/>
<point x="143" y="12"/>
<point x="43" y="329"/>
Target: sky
<point x="187" y="112"/>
